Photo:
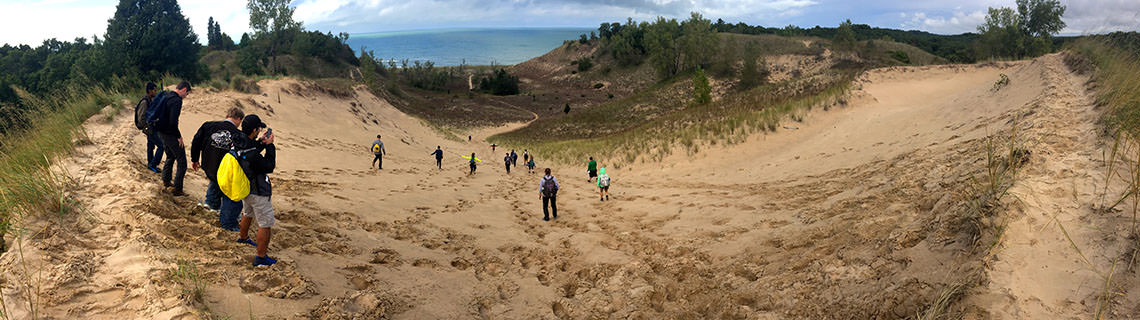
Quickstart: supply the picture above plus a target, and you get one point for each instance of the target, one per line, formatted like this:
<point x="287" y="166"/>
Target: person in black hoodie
<point x="258" y="205"/>
<point x="167" y="129"/>
<point x="212" y="142"/>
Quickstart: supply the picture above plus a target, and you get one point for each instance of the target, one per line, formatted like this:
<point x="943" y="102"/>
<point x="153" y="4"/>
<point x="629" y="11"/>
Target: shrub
<point x="584" y="64"/>
<point x="702" y="92"/>
<point x="500" y="83"/>
<point x="901" y="56"/>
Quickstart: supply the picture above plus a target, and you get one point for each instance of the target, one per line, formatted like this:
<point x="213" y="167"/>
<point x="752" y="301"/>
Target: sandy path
<point x="1039" y="273"/>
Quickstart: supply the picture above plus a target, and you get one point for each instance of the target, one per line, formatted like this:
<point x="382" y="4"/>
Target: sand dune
<point x="854" y="213"/>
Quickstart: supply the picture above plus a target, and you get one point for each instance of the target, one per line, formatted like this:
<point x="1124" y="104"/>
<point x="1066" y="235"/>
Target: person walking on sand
<point x="493" y="147"/>
<point x="473" y="160"/>
<point x="591" y="169"/>
<point x="438" y="157"/>
<point x="507" y="159"/>
<point x="378" y="150"/>
<point x="258" y="205"/>
<point x="154" y="149"/>
<point x="548" y="190"/>
<point x="530" y="165"/>
<point x="603" y="185"/>
<point x="514" y="158"/>
<point x="212" y="142"/>
<point x="167" y="129"/>
<point x="526" y="156"/>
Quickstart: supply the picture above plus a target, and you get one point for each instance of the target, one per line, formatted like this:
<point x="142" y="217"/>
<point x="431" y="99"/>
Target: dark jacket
<point x="168" y="118"/>
<point x="259" y="168"/>
<point x="438" y="154"/>
<point x="212" y="141"/>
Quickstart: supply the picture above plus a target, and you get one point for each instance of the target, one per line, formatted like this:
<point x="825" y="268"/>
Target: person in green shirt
<point x="592" y="169"/>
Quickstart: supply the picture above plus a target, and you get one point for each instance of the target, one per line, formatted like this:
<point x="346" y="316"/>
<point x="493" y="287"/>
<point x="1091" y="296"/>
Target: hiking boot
<point x="263" y="261"/>
<point x="545" y="218"/>
<point x="155" y="169"/>
<point x="176" y="192"/>
<point x="167" y="184"/>
<point x="607" y="197"/>
<point x="247" y="241"/>
<point x="601" y="199"/>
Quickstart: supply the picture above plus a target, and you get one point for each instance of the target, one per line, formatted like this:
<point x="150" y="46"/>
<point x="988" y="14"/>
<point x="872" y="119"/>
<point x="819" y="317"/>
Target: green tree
<point x="1001" y="34"/>
<point x="844" y="36"/>
<point x="152" y="36"/>
<point x="698" y="42"/>
<point x="270" y="19"/>
<point x="1022" y="33"/>
<point x="661" y="45"/>
<point x="1041" y="18"/>
<point x="702" y="92"/>
<point x="267" y="16"/>
<point x="752" y="75"/>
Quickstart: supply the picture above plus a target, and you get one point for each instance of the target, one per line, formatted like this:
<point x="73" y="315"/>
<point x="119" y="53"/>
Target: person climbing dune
<point x="472" y="160"/>
<point x="548" y="191"/>
<point x="378" y="150"/>
<point x="603" y="185"/>
<point x="591" y="169"/>
<point x="507" y="159"/>
<point x="438" y="157"/>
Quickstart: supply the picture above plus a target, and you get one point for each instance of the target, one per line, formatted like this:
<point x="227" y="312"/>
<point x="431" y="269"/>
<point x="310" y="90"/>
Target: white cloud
<point x="959" y="22"/>
<point x="32" y="22"/>
<point x="231" y="15"/>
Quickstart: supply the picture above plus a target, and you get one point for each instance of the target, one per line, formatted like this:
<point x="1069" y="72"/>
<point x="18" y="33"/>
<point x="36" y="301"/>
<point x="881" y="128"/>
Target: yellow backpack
<point x="375" y="148"/>
<point x="232" y="179"/>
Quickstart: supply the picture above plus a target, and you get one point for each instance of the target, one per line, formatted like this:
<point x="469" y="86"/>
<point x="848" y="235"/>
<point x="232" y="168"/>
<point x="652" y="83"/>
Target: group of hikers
<point x="236" y="154"/>
<point x="548" y="186"/>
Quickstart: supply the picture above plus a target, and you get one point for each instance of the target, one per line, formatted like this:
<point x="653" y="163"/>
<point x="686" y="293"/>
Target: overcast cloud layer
<point x="32" y="21"/>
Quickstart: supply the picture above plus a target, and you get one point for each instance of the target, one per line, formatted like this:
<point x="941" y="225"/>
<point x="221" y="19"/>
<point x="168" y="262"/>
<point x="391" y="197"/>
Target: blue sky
<point x="32" y="21"/>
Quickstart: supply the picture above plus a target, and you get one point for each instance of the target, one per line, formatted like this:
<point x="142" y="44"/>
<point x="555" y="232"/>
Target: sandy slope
<point x="856" y="213"/>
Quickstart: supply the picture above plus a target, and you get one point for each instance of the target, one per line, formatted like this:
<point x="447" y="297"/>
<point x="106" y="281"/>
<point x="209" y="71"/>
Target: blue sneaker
<point x="155" y="169"/>
<point x="247" y="241"/>
<point x="263" y="261"/>
<point x="234" y="229"/>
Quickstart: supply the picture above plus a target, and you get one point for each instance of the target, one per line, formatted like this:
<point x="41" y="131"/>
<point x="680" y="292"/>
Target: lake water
<point x="449" y="47"/>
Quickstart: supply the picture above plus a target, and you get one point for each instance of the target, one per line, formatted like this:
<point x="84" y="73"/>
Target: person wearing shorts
<point x="258" y="205"/>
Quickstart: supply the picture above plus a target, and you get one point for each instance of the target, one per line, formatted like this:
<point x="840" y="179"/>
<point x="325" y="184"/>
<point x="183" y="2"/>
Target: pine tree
<point x="152" y="36"/>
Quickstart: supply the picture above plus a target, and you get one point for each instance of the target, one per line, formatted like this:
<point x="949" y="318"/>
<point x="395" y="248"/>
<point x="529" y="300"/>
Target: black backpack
<point x="140" y="113"/>
<point x="549" y="188"/>
<point x="155" y="111"/>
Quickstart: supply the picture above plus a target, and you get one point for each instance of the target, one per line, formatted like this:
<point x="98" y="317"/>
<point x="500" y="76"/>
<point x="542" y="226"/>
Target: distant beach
<point x="451" y="47"/>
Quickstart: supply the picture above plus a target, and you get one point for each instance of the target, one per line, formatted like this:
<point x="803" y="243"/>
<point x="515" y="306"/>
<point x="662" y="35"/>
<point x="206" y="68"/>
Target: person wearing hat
<point x="257" y="205"/>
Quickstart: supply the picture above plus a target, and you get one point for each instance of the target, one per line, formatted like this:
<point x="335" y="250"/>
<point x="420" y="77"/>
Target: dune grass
<point x="28" y="185"/>
<point x="1114" y="62"/>
<point x="613" y="136"/>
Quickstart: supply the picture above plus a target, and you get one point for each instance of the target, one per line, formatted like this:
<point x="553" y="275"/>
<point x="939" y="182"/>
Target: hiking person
<point x="548" y="191"/>
<point x="507" y="159"/>
<point x="473" y="160"/>
<point x="526" y="156"/>
<point x="154" y="149"/>
<point x="493" y="147"/>
<point x="514" y="158"/>
<point x="591" y="169"/>
<point x="530" y="166"/>
<point x="603" y="185"/>
<point x="165" y="123"/>
<point x="212" y="142"/>
<point x="438" y="157"/>
<point x="258" y="205"/>
<point x="468" y="138"/>
<point x="378" y="150"/>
